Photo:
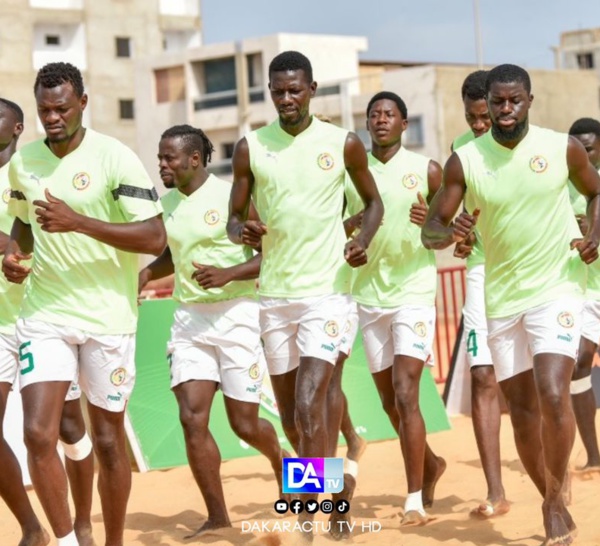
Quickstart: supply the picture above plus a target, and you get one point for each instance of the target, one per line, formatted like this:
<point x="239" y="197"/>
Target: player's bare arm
<point x="240" y="228"/>
<point x="158" y="269"/>
<point x="418" y="211"/>
<point x="18" y="249"/>
<point x="585" y="178"/>
<point x="208" y="276"/>
<point x="4" y="238"/>
<point x="144" y="237"/>
<point x="439" y="231"/>
<point x="355" y="160"/>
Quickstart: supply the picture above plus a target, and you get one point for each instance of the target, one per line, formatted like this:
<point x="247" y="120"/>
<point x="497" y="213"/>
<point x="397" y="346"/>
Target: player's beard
<point x="509" y="135"/>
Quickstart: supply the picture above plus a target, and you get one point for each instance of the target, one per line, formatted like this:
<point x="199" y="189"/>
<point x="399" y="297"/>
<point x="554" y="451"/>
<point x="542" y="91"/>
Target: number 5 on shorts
<point x="25" y="356"/>
<point x="471" y="343"/>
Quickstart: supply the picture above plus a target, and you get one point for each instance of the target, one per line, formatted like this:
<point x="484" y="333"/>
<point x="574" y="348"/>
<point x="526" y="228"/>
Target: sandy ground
<point x="166" y="506"/>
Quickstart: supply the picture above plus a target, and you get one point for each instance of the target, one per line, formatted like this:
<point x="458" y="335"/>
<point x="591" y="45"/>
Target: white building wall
<point x="72" y="47"/>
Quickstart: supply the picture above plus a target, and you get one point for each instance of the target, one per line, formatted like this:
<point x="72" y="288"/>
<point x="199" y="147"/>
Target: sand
<point x="165" y="506"/>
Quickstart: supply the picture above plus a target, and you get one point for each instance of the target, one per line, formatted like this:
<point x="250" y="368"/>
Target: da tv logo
<point x="313" y="475"/>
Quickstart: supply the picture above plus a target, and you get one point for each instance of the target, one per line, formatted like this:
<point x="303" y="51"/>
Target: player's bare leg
<point x="195" y="400"/>
<point x="284" y="389"/>
<point x="486" y="424"/>
<point x="79" y="467"/>
<point x="434" y="465"/>
<point x="584" y="404"/>
<point x="11" y="487"/>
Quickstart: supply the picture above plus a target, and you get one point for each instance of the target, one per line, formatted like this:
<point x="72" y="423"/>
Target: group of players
<point x="305" y="215"/>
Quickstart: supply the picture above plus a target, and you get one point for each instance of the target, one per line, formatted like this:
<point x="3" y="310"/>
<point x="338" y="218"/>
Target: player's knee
<point x="79" y="450"/>
<point x="244" y="429"/>
<point x="108" y="449"/>
<point x="582" y="370"/>
<point x="39" y="440"/>
<point x="71" y="430"/>
<point x="193" y="422"/>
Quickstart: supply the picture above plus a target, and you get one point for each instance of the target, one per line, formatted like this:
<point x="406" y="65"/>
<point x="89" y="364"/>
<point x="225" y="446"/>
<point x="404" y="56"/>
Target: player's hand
<point x="252" y="232"/>
<point x="464" y="225"/>
<point x="208" y="276"/>
<point x="355" y="253"/>
<point x="418" y="211"/>
<point x="582" y="222"/>
<point x="12" y="268"/>
<point x="588" y="249"/>
<point x="144" y="277"/>
<point x="464" y="248"/>
<point x="55" y="215"/>
<point x="353" y="223"/>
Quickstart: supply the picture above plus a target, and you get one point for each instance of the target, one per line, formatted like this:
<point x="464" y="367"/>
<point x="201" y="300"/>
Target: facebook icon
<point x="313" y="475"/>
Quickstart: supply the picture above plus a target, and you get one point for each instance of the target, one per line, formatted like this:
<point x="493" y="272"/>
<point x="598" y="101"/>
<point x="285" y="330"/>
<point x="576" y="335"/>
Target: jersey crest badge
<point x="6" y="195"/>
<point x="81" y="181"/>
<point x="254" y="371"/>
<point x="212" y="217"/>
<point x="325" y="161"/>
<point x="410" y="181"/>
<point x="565" y="319"/>
<point x="117" y="377"/>
<point x="538" y="164"/>
<point x="331" y="328"/>
<point x="420" y="329"/>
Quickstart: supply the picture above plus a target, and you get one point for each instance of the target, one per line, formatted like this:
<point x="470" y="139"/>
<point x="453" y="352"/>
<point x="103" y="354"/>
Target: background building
<point x="103" y="38"/>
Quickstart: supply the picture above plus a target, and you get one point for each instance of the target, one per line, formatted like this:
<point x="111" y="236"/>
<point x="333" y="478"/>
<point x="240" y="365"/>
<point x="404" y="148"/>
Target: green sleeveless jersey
<point x="526" y="221"/>
<point x="400" y="269"/>
<point x="299" y="194"/>
<point x="11" y="294"/>
<point x="196" y="232"/>
<point x="592" y="271"/>
<point x="476" y="257"/>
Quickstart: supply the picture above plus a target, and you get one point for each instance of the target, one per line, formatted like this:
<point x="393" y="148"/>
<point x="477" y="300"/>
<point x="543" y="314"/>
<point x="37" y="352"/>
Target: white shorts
<point x="305" y="327"/>
<point x="9" y="365"/>
<point x="350" y="330"/>
<point x="219" y="342"/>
<point x="406" y="330"/>
<point x="590" y="328"/>
<point x="103" y="365"/>
<point x="553" y="327"/>
<point x="475" y="330"/>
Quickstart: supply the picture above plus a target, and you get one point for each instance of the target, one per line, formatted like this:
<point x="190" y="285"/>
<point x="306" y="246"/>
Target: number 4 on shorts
<point x="471" y="343"/>
<point x="25" y="355"/>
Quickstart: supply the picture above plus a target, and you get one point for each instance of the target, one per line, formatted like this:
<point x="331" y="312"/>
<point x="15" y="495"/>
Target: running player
<point x="485" y="403"/>
<point x="395" y="291"/>
<point x="295" y="169"/>
<point x="587" y="131"/>
<point x="516" y="176"/>
<point x="11" y="480"/>
<point x="215" y="339"/>
<point x="89" y="206"/>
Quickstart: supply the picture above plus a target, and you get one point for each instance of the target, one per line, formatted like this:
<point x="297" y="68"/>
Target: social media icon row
<point x="311" y="506"/>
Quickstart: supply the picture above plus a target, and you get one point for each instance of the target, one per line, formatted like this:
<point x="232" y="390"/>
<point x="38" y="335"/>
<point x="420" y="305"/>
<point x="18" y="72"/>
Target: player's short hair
<point x="584" y="126"/>
<point x="14" y="107"/>
<point x="508" y="73"/>
<point x="474" y="85"/>
<point x="390" y="96"/>
<point x="55" y="74"/>
<point x="193" y="140"/>
<point x="291" y="61"/>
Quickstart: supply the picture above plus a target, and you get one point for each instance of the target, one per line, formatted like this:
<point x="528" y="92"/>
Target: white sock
<point x="414" y="501"/>
<point x="69" y="540"/>
<point x="351" y="467"/>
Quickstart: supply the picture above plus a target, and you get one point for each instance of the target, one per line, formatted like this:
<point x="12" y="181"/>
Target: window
<point x="413" y="136"/>
<point x="227" y="150"/>
<point x="219" y="75"/>
<point x="126" y="109"/>
<point x="585" y="60"/>
<point x="52" y="39"/>
<point x="170" y="84"/>
<point x="123" y="47"/>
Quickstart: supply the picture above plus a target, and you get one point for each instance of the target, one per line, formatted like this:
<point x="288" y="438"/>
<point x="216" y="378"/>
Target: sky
<point x="513" y="31"/>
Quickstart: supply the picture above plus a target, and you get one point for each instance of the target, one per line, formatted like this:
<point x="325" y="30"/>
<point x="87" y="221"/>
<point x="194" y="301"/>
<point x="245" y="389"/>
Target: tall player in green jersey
<point x="84" y="204"/>
<point x="515" y="180"/>
<point x="587" y="131"/>
<point x="485" y="402"/>
<point x="294" y="169"/>
<point x="395" y="292"/>
<point x="215" y="339"/>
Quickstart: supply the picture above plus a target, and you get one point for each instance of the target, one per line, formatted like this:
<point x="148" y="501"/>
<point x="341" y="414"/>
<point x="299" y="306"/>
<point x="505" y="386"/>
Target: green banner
<point x="154" y="416"/>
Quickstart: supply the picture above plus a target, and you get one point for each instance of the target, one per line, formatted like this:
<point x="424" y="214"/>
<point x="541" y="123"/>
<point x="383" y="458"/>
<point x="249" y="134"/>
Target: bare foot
<point x="557" y="532"/>
<point x="209" y="526"/>
<point x="340" y="523"/>
<point x="414" y="517"/>
<point x="84" y="535"/>
<point x="566" y="492"/>
<point x="37" y="538"/>
<point x="430" y="481"/>
<point x="278" y="470"/>
<point x="489" y="509"/>
<point x="566" y="516"/>
<point x="356" y="448"/>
